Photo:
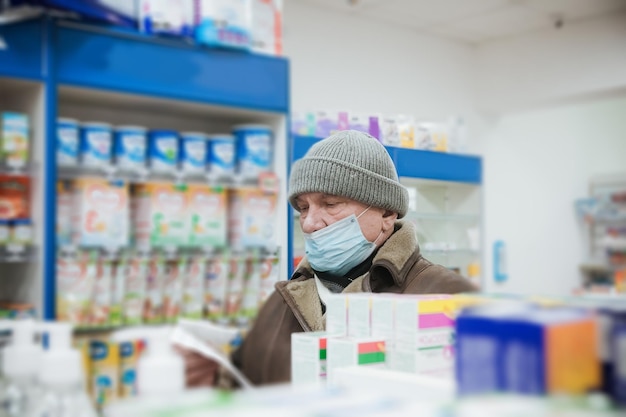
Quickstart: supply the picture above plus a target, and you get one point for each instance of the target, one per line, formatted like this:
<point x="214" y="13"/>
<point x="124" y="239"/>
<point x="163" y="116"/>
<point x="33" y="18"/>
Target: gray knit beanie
<point x="350" y="164"/>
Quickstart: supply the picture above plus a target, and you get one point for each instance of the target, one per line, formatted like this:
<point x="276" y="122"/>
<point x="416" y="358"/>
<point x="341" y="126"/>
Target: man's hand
<point x="199" y="370"/>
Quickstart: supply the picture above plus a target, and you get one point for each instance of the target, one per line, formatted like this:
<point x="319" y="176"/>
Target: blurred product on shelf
<point x="15" y="139"/>
<point x="163" y="151"/>
<point x="254" y="149"/>
<point x="14" y="197"/>
<point x="17" y="311"/>
<point x="159" y="215"/>
<point x="100" y="213"/>
<point x="224" y="23"/>
<point x="130" y="288"/>
<point x="193" y="152"/>
<point x="137" y="153"/>
<point x="96" y="144"/>
<point x="602" y="217"/>
<point x="266" y="31"/>
<point x="68" y="142"/>
<point x="252" y="218"/>
<point x="391" y="130"/>
<point x="129" y="148"/>
<point x="222" y="156"/>
<point x="246" y="25"/>
<point x="166" y="17"/>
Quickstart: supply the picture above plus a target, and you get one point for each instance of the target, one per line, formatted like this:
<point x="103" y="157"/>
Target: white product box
<point x="435" y="361"/>
<point x="337" y="314"/>
<point x="308" y="358"/>
<point x="383" y="317"/>
<point x="352" y="351"/>
<point x="359" y="314"/>
<point x="266" y="29"/>
<point x="424" y="321"/>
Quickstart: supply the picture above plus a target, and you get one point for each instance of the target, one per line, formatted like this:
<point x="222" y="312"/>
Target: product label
<point x="14" y="137"/>
<point x="165" y="154"/>
<point x="194" y="155"/>
<point x="97" y="147"/>
<point x="67" y="147"/>
<point x="222" y="157"/>
<point x="207" y="213"/>
<point x="131" y="152"/>
<point x="103" y="214"/>
<point x="216" y="287"/>
<point x="255" y="154"/>
<point x="194" y="288"/>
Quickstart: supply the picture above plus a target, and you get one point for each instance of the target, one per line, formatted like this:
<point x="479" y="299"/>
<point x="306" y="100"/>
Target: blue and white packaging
<point x="163" y="151"/>
<point x="130" y="148"/>
<point x="170" y="17"/>
<point x="222" y="156"/>
<point x="193" y="152"/>
<point x="254" y="150"/>
<point x="223" y="23"/>
<point x="96" y="144"/>
<point x="67" y="142"/>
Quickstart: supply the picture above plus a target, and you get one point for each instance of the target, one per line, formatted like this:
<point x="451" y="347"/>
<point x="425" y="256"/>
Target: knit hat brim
<point x="336" y="177"/>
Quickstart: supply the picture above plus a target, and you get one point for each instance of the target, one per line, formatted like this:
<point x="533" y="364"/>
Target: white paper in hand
<point x="184" y="338"/>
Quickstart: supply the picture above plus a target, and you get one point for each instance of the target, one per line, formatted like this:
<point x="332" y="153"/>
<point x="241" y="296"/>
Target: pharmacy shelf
<point x="416" y="163"/>
<point x="70" y="68"/>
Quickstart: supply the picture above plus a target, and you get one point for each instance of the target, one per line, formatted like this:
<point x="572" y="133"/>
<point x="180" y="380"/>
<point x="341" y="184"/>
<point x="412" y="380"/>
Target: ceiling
<point x="475" y="21"/>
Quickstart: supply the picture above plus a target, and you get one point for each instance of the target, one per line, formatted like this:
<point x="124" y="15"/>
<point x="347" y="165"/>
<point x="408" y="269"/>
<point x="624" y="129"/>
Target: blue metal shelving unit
<point x="61" y="53"/>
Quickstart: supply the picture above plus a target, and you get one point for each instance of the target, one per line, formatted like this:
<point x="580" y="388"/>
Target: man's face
<point x="318" y="210"/>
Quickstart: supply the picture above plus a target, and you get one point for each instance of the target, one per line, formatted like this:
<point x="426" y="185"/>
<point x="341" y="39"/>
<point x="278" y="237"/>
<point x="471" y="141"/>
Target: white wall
<point x="342" y="62"/>
<point x="580" y="59"/>
<point x="536" y="164"/>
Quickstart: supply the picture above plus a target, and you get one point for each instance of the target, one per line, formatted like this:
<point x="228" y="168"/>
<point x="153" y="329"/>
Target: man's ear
<point x="389" y="217"/>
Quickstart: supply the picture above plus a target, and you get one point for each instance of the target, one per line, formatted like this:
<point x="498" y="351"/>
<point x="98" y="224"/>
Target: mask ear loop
<point x="369" y="207"/>
<point x="381" y="232"/>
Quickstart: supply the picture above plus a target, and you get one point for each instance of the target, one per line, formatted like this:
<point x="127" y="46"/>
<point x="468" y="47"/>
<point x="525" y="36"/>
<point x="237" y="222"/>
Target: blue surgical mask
<point x="339" y="247"/>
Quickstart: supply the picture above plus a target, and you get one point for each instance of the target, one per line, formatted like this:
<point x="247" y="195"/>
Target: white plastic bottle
<point x="61" y="377"/>
<point x="20" y="364"/>
<point x="160" y="374"/>
<point x="160" y="378"/>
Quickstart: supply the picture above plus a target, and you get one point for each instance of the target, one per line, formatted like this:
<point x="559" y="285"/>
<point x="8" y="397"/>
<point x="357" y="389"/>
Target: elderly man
<point x="350" y="201"/>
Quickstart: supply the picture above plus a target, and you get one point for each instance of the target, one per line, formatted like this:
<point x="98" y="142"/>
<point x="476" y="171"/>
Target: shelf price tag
<point x="269" y="182"/>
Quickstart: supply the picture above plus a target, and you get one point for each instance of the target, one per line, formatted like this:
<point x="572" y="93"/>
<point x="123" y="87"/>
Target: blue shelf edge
<point x="139" y="65"/>
<point x="415" y="163"/>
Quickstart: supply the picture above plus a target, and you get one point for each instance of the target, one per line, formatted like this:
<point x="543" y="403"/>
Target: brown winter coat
<point x="398" y="267"/>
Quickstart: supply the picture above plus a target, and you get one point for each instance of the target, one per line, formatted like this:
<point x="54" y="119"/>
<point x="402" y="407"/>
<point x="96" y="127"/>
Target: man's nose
<point x="312" y="222"/>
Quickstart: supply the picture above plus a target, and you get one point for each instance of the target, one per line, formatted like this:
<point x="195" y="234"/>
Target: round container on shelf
<point x="22" y="233"/>
<point x="254" y="149"/>
<point x="221" y="155"/>
<point x="67" y="141"/>
<point x="96" y="144"/>
<point x="163" y="151"/>
<point x="193" y="152"/>
<point x="130" y="148"/>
